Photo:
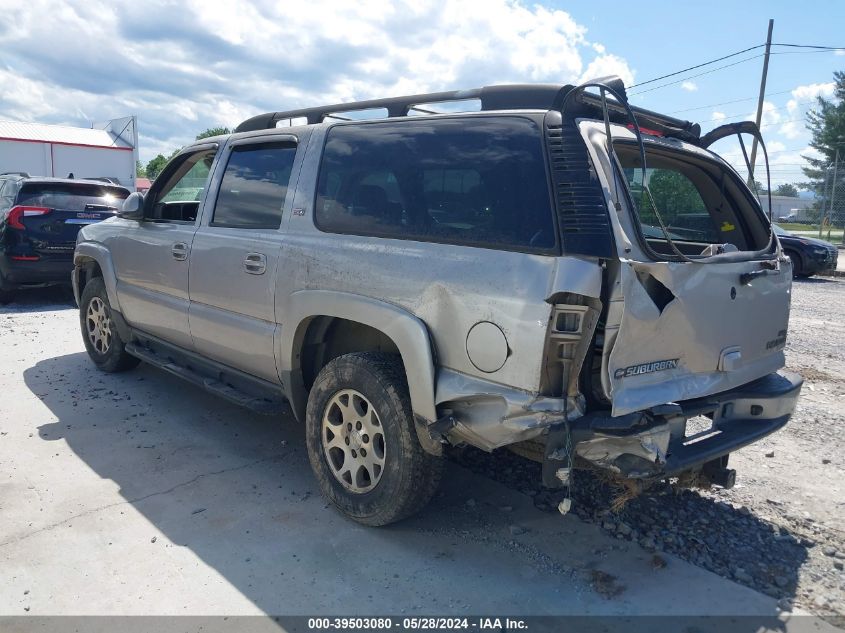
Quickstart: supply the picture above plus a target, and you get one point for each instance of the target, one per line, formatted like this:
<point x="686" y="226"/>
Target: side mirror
<point x="133" y="207"/>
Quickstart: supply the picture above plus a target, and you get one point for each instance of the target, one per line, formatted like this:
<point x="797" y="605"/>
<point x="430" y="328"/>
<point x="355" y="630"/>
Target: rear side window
<point x="71" y="197"/>
<point x="479" y="181"/>
<point x="255" y="184"/>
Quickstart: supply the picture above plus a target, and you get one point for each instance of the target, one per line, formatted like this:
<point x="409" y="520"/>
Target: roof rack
<point x="15" y="173"/>
<point x="504" y="97"/>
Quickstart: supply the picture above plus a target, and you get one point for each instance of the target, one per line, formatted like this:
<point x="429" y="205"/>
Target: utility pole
<point x="760" y="103"/>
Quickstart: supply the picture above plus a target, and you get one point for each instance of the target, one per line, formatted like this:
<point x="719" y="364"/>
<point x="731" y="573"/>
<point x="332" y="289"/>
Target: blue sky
<point x="669" y="36"/>
<point x="183" y="66"/>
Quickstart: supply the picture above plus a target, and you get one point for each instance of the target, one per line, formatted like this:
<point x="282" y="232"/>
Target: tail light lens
<point x="16" y="215"/>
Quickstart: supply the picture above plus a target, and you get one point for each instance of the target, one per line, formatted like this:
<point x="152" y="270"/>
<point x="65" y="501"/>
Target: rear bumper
<point x="740" y="417"/>
<point x="52" y="270"/>
<point x="656" y="444"/>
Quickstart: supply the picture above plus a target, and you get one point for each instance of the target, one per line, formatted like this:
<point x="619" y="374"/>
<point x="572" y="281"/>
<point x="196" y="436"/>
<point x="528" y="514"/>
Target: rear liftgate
<point x="692" y="331"/>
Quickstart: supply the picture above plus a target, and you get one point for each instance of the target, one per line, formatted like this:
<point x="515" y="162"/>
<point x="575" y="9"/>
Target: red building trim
<point x="35" y="140"/>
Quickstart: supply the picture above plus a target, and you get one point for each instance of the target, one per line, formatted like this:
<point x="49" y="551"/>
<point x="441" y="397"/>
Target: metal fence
<point x="831" y="203"/>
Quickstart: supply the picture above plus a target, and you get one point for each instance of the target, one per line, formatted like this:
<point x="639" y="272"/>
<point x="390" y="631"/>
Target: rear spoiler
<point x="650" y="122"/>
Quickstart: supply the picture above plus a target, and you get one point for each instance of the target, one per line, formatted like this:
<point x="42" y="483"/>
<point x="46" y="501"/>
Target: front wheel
<point x="362" y="440"/>
<point x="99" y="333"/>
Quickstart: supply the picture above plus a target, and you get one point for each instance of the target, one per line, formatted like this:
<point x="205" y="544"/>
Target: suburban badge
<point x="646" y="368"/>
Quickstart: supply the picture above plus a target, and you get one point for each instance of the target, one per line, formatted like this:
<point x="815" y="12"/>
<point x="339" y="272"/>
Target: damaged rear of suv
<point x="538" y="267"/>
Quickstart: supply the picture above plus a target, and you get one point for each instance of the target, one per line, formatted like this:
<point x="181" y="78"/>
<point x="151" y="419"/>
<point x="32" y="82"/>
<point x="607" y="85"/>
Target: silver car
<point x="538" y="267"/>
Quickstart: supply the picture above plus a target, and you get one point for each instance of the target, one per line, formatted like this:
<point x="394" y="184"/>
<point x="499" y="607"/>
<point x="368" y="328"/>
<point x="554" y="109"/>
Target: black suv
<point x="39" y="220"/>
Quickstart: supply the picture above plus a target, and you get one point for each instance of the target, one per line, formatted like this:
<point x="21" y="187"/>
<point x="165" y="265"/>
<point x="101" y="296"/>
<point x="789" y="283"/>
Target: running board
<point x="241" y="389"/>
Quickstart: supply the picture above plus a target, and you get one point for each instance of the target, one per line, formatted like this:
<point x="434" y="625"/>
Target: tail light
<point x="16" y="214"/>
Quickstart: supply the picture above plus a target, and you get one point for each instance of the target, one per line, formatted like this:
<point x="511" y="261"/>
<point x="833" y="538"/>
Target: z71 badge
<point x="646" y="368"/>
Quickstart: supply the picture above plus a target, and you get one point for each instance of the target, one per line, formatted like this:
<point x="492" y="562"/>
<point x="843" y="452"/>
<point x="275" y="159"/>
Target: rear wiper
<point x="99" y="207"/>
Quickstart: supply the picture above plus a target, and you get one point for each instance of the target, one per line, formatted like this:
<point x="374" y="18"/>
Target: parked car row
<point x="39" y="221"/>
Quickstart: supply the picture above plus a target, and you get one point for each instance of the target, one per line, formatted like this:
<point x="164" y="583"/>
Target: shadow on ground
<point x="718" y="536"/>
<point x="236" y="489"/>
<point x="815" y="280"/>
<point x="40" y="299"/>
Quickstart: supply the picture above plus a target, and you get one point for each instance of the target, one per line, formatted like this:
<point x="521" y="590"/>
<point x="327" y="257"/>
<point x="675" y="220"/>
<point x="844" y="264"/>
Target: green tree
<point x="786" y="189"/>
<point x="673" y="194"/>
<point x="155" y="166"/>
<point x="140" y="170"/>
<point x="826" y="123"/>
<point x="213" y="131"/>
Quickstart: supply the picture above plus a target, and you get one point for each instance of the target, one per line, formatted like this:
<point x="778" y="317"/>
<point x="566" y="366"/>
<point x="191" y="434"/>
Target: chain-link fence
<point x="831" y="204"/>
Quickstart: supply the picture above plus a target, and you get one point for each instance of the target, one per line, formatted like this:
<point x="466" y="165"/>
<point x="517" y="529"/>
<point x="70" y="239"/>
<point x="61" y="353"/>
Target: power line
<point x="712" y="61"/>
<point x="745" y="114"/>
<point x="825" y="48"/>
<point x="719" y="59"/>
<point x="706" y="72"/>
<point x="714" y="105"/>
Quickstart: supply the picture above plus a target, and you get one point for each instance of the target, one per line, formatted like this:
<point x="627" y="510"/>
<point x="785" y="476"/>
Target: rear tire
<point x="99" y="332"/>
<point x="362" y="440"/>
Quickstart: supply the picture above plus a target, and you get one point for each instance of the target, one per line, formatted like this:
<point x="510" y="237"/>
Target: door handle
<point x="255" y="263"/>
<point x="179" y="251"/>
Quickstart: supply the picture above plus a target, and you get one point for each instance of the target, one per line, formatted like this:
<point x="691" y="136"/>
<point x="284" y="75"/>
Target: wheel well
<point x="795" y="256"/>
<point x="88" y="270"/>
<point x="329" y="337"/>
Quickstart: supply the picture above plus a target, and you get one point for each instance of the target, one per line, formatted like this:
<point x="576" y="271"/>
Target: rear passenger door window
<point x="478" y="182"/>
<point x="254" y="186"/>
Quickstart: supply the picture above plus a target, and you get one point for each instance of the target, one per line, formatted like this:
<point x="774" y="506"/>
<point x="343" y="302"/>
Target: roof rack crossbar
<point x="507" y="97"/>
<point x="504" y="97"/>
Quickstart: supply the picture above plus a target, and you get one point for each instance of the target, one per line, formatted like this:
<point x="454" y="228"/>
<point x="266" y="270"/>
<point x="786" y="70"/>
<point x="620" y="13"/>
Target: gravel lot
<point x="780" y="529"/>
<point x="778" y="532"/>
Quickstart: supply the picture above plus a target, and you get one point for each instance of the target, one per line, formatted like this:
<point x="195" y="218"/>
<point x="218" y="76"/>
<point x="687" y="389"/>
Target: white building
<point x="108" y="149"/>
<point x="783" y="206"/>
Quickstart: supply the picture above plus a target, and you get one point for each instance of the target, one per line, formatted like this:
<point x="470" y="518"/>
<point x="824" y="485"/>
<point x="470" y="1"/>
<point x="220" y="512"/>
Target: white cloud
<point x="802" y="94"/>
<point x="719" y="116"/>
<point x="770" y="115"/>
<point x="792" y="129"/>
<point x="775" y="146"/>
<point x="183" y="67"/>
<point x="689" y="86"/>
<point x="605" y="65"/>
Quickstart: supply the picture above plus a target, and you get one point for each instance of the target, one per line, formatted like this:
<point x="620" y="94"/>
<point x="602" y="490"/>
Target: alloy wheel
<point x="353" y="441"/>
<point x="98" y="325"/>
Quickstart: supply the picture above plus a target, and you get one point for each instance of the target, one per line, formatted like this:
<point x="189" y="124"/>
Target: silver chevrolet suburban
<point x="539" y="267"/>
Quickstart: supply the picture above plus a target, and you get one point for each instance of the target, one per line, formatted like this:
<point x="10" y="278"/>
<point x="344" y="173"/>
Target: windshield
<point x="780" y="231"/>
<point x="700" y="201"/>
